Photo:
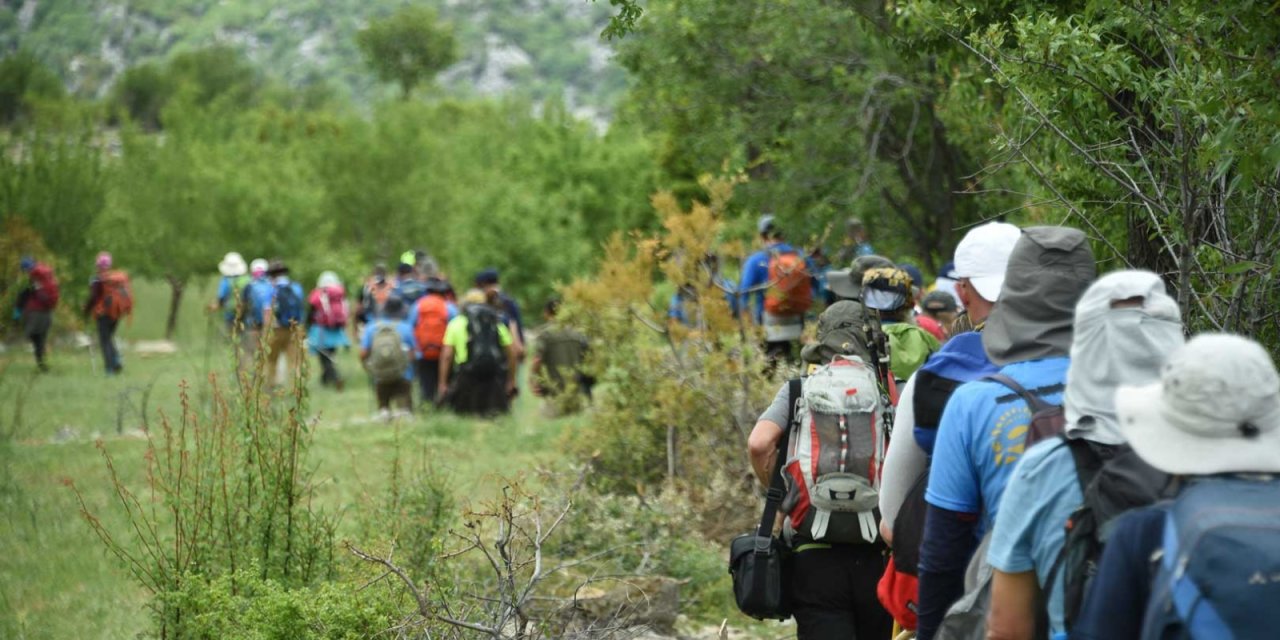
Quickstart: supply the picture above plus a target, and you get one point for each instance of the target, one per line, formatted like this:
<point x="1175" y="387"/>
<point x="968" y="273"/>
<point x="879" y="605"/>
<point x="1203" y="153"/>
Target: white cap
<point x="983" y="255"/>
<point x="1216" y="409"/>
<point x="258" y="266"/>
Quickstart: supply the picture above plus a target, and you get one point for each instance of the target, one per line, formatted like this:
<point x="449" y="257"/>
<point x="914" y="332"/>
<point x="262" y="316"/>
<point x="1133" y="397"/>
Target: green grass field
<point x="56" y="578"/>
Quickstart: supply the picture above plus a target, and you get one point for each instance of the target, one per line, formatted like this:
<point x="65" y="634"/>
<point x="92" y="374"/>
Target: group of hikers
<point x="462" y="352"/>
<point x="1028" y="451"/>
<point x="110" y="300"/>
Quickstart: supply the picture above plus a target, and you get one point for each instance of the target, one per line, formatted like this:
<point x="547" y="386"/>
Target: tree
<point x="142" y="93"/>
<point x="23" y="82"/>
<point x="408" y="47"/>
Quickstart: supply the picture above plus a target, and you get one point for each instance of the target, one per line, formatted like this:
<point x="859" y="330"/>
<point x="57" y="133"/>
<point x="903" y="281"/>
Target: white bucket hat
<point x="983" y="255"/>
<point x="232" y="265"/>
<point x="1216" y="409"/>
<point x="258" y="267"/>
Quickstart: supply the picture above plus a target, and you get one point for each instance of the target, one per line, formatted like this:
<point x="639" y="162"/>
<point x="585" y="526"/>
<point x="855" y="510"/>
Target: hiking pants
<point x="281" y="343"/>
<point x="479" y="395"/>
<point x="107" y="341"/>
<point x="428" y="379"/>
<point x="36" y="325"/>
<point x="833" y="592"/>
<point x="399" y="391"/>
<point x="329" y="366"/>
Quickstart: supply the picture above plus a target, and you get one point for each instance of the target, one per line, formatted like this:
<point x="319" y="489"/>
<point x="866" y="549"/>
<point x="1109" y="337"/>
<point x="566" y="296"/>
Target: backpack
<point x="485" y="355"/>
<point x="46" y="289"/>
<point x="909" y="348"/>
<point x="790" y="291"/>
<point x="1048" y="421"/>
<point x="117" y="296"/>
<point x="388" y="358"/>
<point x="836" y="446"/>
<point x="1219" y="572"/>
<point x="255" y="297"/>
<point x="433" y="319"/>
<point x="331" y="307"/>
<point x="287" y="305"/>
<point x="1113" y="480"/>
<point x="410" y="291"/>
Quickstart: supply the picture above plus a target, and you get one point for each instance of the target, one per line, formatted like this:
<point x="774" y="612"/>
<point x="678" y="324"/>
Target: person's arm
<point x="446" y="360"/>
<point x="944" y="554"/>
<point x="95" y="292"/>
<point x="513" y="362"/>
<point x="1120" y="590"/>
<point x="903" y="463"/>
<point x="1014" y="597"/>
<point x="762" y="445"/>
<point x="366" y="343"/>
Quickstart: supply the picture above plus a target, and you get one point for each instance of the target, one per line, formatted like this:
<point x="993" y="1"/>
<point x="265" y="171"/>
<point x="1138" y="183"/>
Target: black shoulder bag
<point x="758" y="561"/>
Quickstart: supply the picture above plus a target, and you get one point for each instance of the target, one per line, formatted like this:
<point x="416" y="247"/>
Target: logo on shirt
<point x="1008" y="437"/>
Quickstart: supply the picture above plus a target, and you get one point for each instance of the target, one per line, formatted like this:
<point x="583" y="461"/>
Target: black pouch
<point x="759" y="566"/>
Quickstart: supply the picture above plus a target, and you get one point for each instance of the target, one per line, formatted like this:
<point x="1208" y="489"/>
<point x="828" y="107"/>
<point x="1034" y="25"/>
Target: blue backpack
<point x="1219" y="576"/>
<point x="287" y="305"/>
<point x="256" y="297"/>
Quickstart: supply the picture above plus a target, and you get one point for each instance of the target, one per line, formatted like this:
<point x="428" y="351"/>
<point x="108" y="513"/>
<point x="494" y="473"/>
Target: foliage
<point x="18" y="239"/>
<point x="408" y="47"/>
<point x="24" y="81"/>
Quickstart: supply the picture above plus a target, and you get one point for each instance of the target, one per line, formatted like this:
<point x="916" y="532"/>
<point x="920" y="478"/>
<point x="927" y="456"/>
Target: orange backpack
<point x="117" y="296"/>
<point x="433" y="318"/>
<point x="790" y="291"/>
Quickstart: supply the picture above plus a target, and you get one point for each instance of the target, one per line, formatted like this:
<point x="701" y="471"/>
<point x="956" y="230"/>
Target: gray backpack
<point x="388" y="358"/>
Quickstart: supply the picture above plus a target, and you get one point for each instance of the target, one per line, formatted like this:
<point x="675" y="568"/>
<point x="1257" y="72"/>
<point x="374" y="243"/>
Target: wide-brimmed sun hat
<point x="232" y="265"/>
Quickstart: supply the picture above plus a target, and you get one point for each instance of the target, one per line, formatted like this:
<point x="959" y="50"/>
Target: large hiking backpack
<point x="836" y="447"/>
<point x="117" y="296"/>
<point x="287" y="305"/>
<point x="1113" y="480"/>
<point x="433" y="319"/>
<point x="255" y="298"/>
<point x="909" y="348"/>
<point x="485" y="355"/>
<point x="790" y="291"/>
<point x="1219" y="572"/>
<point x="47" y="291"/>
<point x="331" y="307"/>
<point x="388" y="358"/>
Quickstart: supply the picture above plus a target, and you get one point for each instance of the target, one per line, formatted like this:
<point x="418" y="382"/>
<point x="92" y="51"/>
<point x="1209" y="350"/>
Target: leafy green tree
<point x="24" y="81"/>
<point x="142" y="92"/>
<point x="408" y="47"/>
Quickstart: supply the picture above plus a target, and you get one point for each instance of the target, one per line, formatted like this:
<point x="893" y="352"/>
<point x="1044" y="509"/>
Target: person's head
<point x="380" y="272"/>
<point x="409" y="257"/>
<point x="981" y="261"/>
<point x="888" y="291"/>
<point x="768" y="230"/>
<point x="846" y="284"/>
<point x="487" y="280"/>
<point x="1049" y="269"/>
<point x="940" y="306"/>
<point x="232" y="265"/>
<point x="437" y="286"/>
<point x="551" y="308"/>
<point x="843" y="329"/>
<point x="405" y="271"/>
<point x="1215" y="409"/>
<point x="27" y="263"/>
<point x="328" y="279"/>
<point x="277" y="269"/>
<point x="393" y="308"/>
<point x="1126" y="326"/>
<point x="855" y="230"/>
<point x="474" y="297"/>
<point x="103" y="261"/>
<point x="258" y="268"/>
<point x="917" y="279"/>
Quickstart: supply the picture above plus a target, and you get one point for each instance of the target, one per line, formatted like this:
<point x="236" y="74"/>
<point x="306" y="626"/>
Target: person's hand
<point x="441" y="390"/>
<point x="511" y="389"/>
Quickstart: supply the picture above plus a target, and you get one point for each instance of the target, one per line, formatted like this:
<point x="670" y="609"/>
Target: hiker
<point x="1204" y="565"/>
<point x="678" y="310"/>
<point x="35" y="306"/>
<point x="917" y="284"/>
<point x="284" y="318"/>
<point x="947" y="280"/>
<point x="557" y="369"/>
<point x="255" y="301"/>
<point x="938" y="311"/>
<point x="828" y="430"/>
<point x="409" y="288"/>
<point x="479" y="355"/>
<point x="980" y="438"/>
<point x="327" y="314"/>
<point x="984" y="252"/>
<point x="846" y="284"/>
<point x="1126" y="326"/>
<point x="386" y="349"/>
<point x="377" y="288"/>
<point x="235" y="277"/>
<point x="505" y="305"/>
<point x="887" y="290"/>
<point x="110" y="298"/>
<point x="777" y="283"/>
<point x="429" y="318"/>
<point x="856" y="242"/>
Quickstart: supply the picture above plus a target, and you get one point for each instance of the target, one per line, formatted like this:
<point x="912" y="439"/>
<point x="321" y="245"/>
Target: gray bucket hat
<point x="1048" y="271"/>
<point x="847" y="283"/>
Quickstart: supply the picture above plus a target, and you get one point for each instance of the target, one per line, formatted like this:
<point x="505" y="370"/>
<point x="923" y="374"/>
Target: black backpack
<point x="485" y="355"/>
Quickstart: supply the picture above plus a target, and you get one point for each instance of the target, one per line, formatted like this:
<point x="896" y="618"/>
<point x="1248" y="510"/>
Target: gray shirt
<point x="780" y="408"/>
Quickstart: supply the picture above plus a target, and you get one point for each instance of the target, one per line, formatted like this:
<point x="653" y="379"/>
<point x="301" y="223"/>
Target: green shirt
<point x="455" y="335"/>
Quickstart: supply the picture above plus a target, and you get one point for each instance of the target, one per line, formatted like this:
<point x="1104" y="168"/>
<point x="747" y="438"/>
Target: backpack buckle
<point x="775" y="494"/>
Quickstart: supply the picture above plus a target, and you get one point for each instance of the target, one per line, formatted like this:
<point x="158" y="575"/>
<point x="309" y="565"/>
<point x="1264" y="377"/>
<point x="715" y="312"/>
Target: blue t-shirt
<point x="981" y="437"/>
<point x="406" y="338"/>
<point x="962" y="359"/>
<point x="755" y="273"/>
<point x="258" y="294"/>
<point x="1029" y="533"/>
<point x="1117" y="599"/>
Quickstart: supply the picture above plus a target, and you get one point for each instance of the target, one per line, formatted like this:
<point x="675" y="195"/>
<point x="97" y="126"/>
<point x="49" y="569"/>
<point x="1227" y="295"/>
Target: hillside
<point x="538" y="48"/>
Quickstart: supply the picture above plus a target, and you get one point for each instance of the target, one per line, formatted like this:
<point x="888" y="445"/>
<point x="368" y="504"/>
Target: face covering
<point x="1115" y="346"/>
<point x="882" y="300"/>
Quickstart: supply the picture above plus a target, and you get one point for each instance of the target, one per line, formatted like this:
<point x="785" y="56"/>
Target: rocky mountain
<point x="536" y="48"/>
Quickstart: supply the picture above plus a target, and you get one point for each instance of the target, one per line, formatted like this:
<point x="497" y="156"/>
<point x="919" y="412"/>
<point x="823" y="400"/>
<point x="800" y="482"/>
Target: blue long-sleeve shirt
<point x="755" y="275"/>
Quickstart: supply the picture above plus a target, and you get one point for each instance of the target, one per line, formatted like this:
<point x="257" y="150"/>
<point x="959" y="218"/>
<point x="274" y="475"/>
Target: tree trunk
<point x="176" y="286"/>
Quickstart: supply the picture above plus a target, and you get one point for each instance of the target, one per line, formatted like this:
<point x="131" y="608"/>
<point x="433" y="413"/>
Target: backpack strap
<point x="777" y="490"/>
<point x="1034" y="401"/>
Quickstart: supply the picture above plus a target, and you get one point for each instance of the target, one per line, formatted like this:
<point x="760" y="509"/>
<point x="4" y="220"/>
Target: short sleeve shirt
<point x="455" y="335"/>
<point x="406" y="338"/>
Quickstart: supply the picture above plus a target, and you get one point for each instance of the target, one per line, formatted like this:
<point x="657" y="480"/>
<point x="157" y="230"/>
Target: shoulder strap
<point x="777" y="491"/>
<point x="1035" y="402"/>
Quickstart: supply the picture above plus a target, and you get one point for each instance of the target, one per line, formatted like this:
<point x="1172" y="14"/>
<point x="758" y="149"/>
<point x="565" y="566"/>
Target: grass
<point x="56" y="579"/>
